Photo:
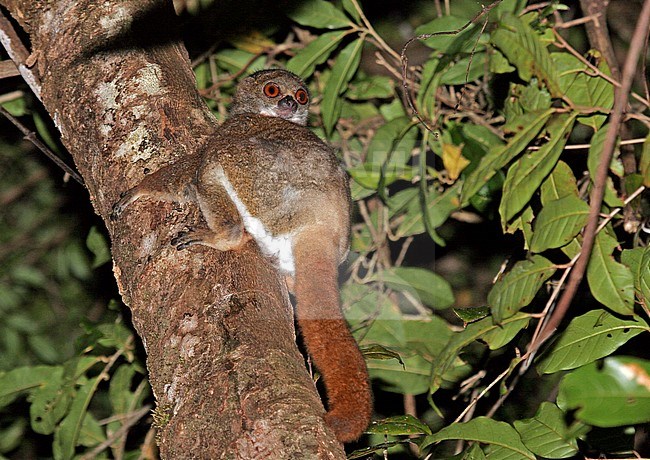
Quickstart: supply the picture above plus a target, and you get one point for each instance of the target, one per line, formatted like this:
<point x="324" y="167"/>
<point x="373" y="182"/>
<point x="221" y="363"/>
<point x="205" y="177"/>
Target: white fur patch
<point x="278" y="247"/>
<point x="272" y="112"/>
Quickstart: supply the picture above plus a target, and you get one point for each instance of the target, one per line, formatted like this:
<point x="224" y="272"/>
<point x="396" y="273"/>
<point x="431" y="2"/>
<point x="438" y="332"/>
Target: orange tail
<point x="330" y="344"/>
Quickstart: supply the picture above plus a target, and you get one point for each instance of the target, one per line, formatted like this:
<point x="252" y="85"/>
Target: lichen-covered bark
<point x="217" y="327"/>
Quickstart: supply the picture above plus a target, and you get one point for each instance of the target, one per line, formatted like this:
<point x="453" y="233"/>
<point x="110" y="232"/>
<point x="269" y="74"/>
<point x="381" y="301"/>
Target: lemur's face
<point x="273" y="93"/>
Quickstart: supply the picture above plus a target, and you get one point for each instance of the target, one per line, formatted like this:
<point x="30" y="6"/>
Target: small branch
<point x="598" y="34"/>
<point x="19" y="54"/>
<point x="404" y="58"/>
<point x="564" y="44"/>
<point x="131" y="420"/>
<point x="31" y="137"/>
<point x="476" y="399"/>
<point x="8" y="69"/>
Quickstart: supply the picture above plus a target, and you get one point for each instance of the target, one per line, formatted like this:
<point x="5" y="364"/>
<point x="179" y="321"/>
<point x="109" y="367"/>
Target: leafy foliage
<point x="503" y="131"/>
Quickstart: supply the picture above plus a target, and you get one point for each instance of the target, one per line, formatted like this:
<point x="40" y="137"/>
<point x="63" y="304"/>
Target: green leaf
<point x="373" y="87"/>
<point x="546" y="434"/>
<point x="502" y="438"/>
<point x="315" y="53"/>
<point x="457" y="72"/>
<point x="233" y="60"/>
<point x="503" y="335"/>
<point x="12" y="436"/>
<point x="44" y="132"/>
<point x="471" y="314"/>
<point x="484" y="329"/>
<point x="524" y="49"/>
<point x="51" y="401"/>
<point x="399" y="425"/>
<point x="98" y="246"/>
<point x="115" y="335"/>
<point x="526" y="175"/>
<point x="638" y="260"/>
<point x="319" y="14"/>
<point x="519" y="286"/>
<point x="499" y="64"/>
<point x="343" y="70"/>
<point x="16" y="107"/>
<point x="447" y="40"/>
<point x="614" y="394"/>
<point x="379" y="352"/>
<point x="611" y="283"/>
<point x="501" y="155"/>
<point x="593" y="160"/>
<point x="558" y="223"/>
<point x="388" y="154"/>
<point x="584" y="89"/>
<point x="524" y="222"/>
<point x="473" y="452"/>
<point x="67" y="433"/>
<point x="589" y="337"/>
<point x="348" y="6"/>
<point x="92" y="433"/>
<point x="21" y="380"/>
<point x="643" y="278"/>
<point x="429" y="83"/>
<point x="432" y="289"/>
<point x="417" y="340"/>
<point x="439" y="208"/>
<point x="560" y="183"/>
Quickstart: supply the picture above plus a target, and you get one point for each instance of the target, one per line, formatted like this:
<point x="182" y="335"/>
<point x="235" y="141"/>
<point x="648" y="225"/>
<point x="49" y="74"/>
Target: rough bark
<point x="217" y="327"/>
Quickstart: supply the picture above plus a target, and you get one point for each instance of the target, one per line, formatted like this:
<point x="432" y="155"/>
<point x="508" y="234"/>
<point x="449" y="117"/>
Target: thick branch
<point x="217" y="327"/>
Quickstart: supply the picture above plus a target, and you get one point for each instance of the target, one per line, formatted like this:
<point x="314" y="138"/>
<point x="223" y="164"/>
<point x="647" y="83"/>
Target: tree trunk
<point x="217" y="327"/>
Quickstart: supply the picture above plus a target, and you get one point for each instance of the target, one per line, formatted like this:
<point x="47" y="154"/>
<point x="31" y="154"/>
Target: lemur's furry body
<point x="265" y="175"/>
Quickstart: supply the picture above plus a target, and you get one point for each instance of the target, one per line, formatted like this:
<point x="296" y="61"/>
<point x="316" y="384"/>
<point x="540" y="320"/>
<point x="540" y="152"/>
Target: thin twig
<point x="598" y="191"/>
<point x="132" y="419"/>
<point x="481" y="394"/>
<point x="564" y="44"/>
<point x="31" y="137"/>
<point x="404" y="59"/>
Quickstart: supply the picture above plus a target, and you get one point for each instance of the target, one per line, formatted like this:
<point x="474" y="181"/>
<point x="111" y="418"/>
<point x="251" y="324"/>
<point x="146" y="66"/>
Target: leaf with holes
<point x="519" y="286"/>
<point x="589" y="337"/>
<point x="611" y="283"/>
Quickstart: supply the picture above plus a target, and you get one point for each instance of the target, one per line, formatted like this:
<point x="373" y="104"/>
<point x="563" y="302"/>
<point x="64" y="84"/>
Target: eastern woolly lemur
<point x="266" y="175"/>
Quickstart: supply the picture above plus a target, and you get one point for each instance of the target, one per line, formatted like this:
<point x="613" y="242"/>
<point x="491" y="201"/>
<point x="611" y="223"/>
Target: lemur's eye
<point x="271" y="90"/>
<point x="302" y="97"/>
